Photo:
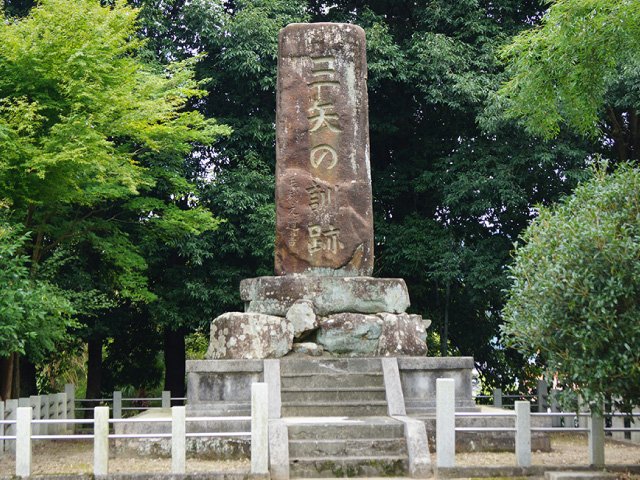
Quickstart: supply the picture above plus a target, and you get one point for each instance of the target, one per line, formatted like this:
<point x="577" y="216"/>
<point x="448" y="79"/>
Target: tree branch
<point x="617" y="133"/>
<point x="67" y="233"/>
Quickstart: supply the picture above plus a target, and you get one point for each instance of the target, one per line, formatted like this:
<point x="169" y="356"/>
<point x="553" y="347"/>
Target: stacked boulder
<point x="344" y="316"/>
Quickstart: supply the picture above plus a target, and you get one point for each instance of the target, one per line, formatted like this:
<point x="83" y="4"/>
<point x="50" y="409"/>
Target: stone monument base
<point x="276" y="295"/>
<point x="341" y="398"/>
<point x="340" y="316"/>
<point x="223" y="387"/>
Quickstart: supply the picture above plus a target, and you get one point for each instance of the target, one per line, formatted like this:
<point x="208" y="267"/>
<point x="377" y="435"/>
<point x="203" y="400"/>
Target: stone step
<point x="579" y="476"/>
<point x="339" y="428"/>
<point x="368" y="466"/>
<point x="333" y="394"/>
<point x="339" y="366"/>
<point x="360" y="447"/>
<point x="346" y="409"/>
<point x="339" y="380"/>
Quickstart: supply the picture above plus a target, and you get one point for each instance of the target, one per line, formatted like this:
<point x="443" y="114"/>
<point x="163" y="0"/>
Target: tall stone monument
<point x="322" y="299"/>
<point x="324" y="218"/>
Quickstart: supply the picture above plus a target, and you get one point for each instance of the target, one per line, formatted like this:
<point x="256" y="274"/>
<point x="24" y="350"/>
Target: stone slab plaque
<point x="324" y="218"/>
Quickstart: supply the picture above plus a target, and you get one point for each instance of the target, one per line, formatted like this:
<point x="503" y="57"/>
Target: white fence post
<point x="2" y="429"/>
<point x="445" y="422"/>
<point x="23" y="442"/>
<point x="596" y="439"/>
<point x="34" y="400"/>
<point x="259" y="429"/>
<point x="635" y="436"/>
<point x="11" y="411"/>
<point x="583" y="421"/>
<point x="70" y="390"/>
<point x="44" y="414"/>
<point x="117" y="404"/>
<point x="523" y="433"/>
<point x="497" y="397"/>
<point x="62" y="412"/>
<point x="166" y="399"/>
<point x="543" y="394"/>
<point x="178" y="440"/>
<point x="101" y="440"/>
<point x="555" y="408"/>
<point x="53" y="413"/>
<point x="23" y="402"/>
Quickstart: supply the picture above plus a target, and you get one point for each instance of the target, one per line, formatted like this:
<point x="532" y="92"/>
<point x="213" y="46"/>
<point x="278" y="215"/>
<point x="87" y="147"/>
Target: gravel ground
<point x="566" y="449"/>
<point x="76" y="456"/>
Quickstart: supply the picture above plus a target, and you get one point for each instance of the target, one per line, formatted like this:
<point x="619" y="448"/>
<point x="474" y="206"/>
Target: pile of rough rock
<point x="354" y="316"/>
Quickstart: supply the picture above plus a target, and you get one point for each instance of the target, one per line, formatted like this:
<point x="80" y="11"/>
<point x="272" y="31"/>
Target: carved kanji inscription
<point x="324" y="221"/>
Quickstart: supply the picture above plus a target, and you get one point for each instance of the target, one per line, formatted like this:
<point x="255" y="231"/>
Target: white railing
<point x="118" y="402"/>
<point x="540" y="398"/>
<point x="25" y="424"/>
<point x="47" y="410"/>
<point x="522" y="429"/>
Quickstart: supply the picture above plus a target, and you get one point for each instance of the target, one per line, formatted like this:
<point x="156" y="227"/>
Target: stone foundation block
<point x="249" y="336"/>
<point x="275" y="295"/>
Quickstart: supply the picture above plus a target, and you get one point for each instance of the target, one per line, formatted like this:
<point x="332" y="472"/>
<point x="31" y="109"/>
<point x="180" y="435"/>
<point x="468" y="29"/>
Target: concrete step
<point x="337" y="366"/>
<point x="368" y="466"/>
<point x="340" y="428"/>
<point x="333" y="380"/>
<point x="579" y="476"/>
<point x="343" y="394"/>
<point x="360" y="447"/>
<point x="346" y="409"/>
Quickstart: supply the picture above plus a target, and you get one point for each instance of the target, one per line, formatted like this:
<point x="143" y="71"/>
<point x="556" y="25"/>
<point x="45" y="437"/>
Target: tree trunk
<point x="6" y="376"/>
<point x="174" y="361"/>
<point x="94" y="373"/>
<point x="28" y="373"/>
<point x="15" y="384"/>
<point x="444" y="337"/>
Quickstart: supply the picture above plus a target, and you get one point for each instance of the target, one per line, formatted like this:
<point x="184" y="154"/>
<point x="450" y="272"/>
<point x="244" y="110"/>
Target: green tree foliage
<point x="449" y="197"/>
<point x="77" y="109"/>
<point x="580" y="68"/>
<point x="235" y="175"/>
<point x="34" y="315"/>
<point x="574" y="300"/>
<point x="94" y="142"/>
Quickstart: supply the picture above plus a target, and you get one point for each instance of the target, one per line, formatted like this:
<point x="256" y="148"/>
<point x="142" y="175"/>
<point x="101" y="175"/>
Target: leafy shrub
<point x="575" y="296"/>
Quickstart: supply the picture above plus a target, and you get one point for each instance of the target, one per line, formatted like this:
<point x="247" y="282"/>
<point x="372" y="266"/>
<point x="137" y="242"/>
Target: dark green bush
<point x="574" y="302"/>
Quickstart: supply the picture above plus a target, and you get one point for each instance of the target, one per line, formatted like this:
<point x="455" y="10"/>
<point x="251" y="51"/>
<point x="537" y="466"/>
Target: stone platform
<point x="335" y="416"/>
<point x="223" y="387"/>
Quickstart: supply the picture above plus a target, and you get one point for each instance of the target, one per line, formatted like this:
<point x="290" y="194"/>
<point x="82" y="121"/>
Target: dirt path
<point x="76" y="456"/>
<point x="566" y="449"/>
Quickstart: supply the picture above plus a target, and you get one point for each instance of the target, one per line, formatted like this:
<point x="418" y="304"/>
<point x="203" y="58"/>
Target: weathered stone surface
<point x="249" y="336"/>
<point x="308" y="348"/>
<point x="402" y="335"/>
<point x="275" y="295"/>
<point x="324" y="218"/>
<point x="302" y="315"/>
<point x="350" y="333"/>
<point x="384" y="334"/>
